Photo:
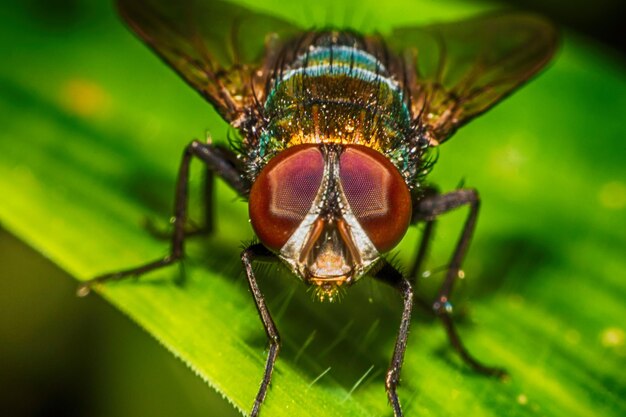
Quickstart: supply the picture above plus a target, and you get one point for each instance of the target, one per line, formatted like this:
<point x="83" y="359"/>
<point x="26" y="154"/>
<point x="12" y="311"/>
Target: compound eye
<point x="378" y="196"/>
<point x="284" y="192"/>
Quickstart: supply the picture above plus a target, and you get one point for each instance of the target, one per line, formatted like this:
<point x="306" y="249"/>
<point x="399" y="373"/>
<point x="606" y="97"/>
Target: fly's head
<point x="329" y="212"/>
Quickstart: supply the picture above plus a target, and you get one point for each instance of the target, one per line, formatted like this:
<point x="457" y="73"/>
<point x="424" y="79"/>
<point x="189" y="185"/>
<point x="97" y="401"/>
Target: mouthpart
<point x="329" y="288"/>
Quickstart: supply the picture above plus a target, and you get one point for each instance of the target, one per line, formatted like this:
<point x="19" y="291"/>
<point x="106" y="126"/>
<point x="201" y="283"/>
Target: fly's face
<point x="330" y="211"/>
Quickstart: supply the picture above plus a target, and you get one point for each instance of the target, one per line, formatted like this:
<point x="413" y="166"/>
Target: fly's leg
<point x="428" y="209"/>
<point x="422" y="249"/>
<point x="222" y="161"/>
<point x="261" y="253"/>
<point x="427" y="235"/>
<point x="389" y="275"/>
<point x="214" y="161"/>
<point x="191" y="229"/>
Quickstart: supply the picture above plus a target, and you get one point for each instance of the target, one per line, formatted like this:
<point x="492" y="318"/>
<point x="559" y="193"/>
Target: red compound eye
<point x="377" y="194"/>
<point x="283" y="193"/>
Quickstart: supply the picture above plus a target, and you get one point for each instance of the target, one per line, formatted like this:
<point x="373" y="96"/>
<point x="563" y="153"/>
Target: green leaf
<point x="92" y="128"/>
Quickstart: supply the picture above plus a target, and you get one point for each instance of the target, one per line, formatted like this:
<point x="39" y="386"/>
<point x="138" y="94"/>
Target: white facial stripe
<point x="366" y="249"/>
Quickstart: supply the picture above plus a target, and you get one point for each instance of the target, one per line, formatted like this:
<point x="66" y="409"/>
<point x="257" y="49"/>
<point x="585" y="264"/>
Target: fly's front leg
<point x="250" y="254"/>
<point x="389" y="275"/>
<point x="215" y="161"/>
<point x="428" y="209"/>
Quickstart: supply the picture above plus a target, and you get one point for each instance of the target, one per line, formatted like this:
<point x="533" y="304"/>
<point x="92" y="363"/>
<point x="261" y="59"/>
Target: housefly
<point x="335" y="129"/>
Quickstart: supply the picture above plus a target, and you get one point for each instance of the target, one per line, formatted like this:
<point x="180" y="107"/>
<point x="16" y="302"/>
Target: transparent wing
<point x="453" y="72"/>
<point x="222" y="50"/>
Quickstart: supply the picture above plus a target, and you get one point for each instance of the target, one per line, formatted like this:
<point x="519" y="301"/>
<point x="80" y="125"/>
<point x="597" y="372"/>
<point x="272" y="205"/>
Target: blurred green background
<point x="549" y="249"/>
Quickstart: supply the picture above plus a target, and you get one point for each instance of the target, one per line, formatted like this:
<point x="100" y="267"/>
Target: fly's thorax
<point x="330" y="211"/>
<point x="337" y="108"/>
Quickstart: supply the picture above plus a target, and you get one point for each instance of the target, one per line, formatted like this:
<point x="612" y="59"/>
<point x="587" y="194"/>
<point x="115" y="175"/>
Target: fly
<point x="336" y="129"/>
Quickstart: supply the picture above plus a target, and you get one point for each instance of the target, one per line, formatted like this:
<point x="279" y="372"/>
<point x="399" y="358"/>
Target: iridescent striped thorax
<point x="335" y="91"/>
